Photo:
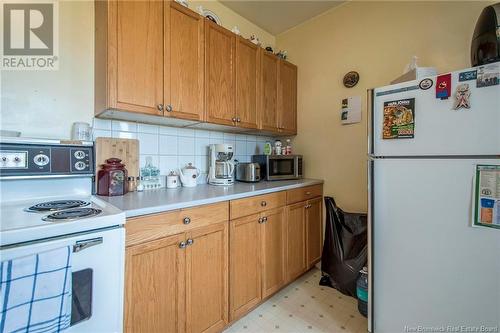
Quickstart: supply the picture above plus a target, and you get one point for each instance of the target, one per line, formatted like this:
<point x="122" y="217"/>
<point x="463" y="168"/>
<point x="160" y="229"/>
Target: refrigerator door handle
<point x="369" y="122"/>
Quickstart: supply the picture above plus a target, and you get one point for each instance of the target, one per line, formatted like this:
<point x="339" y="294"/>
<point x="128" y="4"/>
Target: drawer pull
<point x="190" y="241"/>
<point x="182" y="245"/>
<point x="263" y="203"/>
<point x="186" y="220"/>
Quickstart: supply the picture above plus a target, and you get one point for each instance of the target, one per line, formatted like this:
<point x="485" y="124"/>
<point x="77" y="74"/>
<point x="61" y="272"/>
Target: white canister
<point x="81" y="131"/>
<point x="172" y="180"/>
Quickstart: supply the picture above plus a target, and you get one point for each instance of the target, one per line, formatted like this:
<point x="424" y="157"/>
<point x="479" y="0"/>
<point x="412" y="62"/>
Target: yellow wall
<point x="46" y="103"/>
<point x="377" y="39"/>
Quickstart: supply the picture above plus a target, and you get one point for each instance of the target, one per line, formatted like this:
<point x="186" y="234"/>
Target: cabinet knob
<point x="169" y="108"/>
<point x="238" y="120"/>
<point x="308" y="193"/>
<point x="261" y="220"/>
<point x="263" y="203"/>
<point x="264" y="219"/>
<point x="186" y="220"/>
<point x="233" y="119"/>
<point x="182" y="245"/>
<point x="160" y="107"/>
<point x="190" y="241"/>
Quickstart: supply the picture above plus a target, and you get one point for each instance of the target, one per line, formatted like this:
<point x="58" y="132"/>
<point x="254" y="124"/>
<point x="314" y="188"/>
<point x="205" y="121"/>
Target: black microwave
<point x="279" y="167"/>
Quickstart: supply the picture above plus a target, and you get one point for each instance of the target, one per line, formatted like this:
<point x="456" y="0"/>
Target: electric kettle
<point x="189" y="175"/>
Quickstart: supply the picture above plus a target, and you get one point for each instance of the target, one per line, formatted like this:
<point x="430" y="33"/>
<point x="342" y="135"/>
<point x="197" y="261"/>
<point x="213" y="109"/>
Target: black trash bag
<point x="345" y="249"/>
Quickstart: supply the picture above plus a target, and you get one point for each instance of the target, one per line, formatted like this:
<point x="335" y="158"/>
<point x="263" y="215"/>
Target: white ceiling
<point x="277" y="16"/>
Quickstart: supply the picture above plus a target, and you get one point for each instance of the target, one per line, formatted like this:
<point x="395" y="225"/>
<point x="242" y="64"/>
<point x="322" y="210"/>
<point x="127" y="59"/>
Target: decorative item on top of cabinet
<point x="168" y="81"/>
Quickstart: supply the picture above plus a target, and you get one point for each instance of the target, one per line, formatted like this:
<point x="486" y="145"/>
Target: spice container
<point x="112" y="178"/>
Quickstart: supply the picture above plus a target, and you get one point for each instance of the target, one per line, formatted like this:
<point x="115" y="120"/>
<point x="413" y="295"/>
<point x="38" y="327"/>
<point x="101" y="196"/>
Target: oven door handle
<point x="85" y="244"/>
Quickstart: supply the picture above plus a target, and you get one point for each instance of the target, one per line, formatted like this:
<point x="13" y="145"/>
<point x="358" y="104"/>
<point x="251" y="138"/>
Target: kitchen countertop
<point x="161" y="200"/>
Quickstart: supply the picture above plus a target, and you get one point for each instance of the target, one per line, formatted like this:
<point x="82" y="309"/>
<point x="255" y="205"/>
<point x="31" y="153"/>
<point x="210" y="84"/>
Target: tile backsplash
<point x="171" y="148"/>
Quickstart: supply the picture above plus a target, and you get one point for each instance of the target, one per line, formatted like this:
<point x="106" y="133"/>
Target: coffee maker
<point x="221" y="168"/>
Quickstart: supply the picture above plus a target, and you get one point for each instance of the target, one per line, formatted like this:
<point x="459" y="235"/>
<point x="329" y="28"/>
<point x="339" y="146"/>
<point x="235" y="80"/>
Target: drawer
<point x="304" y="193"/>
<point x="257" y="204"/>
<point x="146" y="228"/>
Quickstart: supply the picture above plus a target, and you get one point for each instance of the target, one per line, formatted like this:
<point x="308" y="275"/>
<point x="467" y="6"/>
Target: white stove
<point x="46" y="203"/>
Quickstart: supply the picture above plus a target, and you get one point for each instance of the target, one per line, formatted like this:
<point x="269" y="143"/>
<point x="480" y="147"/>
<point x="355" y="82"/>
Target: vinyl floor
<point x="304" y="307"/>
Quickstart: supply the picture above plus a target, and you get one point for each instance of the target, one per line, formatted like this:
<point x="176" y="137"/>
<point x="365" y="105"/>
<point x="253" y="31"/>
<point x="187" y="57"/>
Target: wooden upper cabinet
<point x="247" y="83"/>
<point x="273" y="251"/>
<point x="269" y="92"/>
<point x="207" y="260"/>
<point x="137" y="83"/>
<point x="220" y="45"/>
<point x="184" y="62"/>
<point x="244" y="266"/>
<point x="287" y="98"/>
<point x="314" y="226"/>
<point x="154" y="286"/>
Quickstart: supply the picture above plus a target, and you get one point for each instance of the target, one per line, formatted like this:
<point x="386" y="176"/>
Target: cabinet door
<point x="139" y="53"/>
<point x="155" y="286"/>
<point x="207" y="279"/>
<point x="184" y="63"/>
<point x="287" y="96"/>
<point x="219" y="74"/>
<point x="269" y="92"/>
<point x="247" y="82"/>
<point x="273" y="251"/>
<point x="314" y="225"/>
<point x="244" y="266"/>
<point x="296" y="241"/>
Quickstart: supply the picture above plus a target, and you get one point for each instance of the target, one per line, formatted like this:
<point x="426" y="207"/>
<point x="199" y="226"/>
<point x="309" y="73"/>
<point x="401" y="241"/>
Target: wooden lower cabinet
<point x="155" y="286"/>
<point x="296" y="241"/>
<point x="178" y="283"/>
<point x="314" y="227"/>
<point x="273" y="251"/>
<point x="245" y="267"/>
<point x="207" y="279"/>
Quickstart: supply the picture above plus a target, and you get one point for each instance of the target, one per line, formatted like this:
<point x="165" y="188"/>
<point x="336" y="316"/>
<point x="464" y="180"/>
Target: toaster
<point x="248" y="172"/>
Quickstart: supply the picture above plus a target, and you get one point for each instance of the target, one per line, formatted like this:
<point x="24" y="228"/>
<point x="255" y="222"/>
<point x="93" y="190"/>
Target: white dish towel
<point x="35" y="292"/>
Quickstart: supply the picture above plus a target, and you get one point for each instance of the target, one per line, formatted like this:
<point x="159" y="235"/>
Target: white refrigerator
<point x="430" y="270"/>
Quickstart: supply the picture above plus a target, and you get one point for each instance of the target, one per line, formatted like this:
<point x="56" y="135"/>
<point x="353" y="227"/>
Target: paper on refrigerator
<point x="487" y="196"/>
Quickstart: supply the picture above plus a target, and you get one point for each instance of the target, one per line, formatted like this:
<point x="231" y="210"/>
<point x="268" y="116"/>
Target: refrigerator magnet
<point x="486" y="196"/>
<point x="426" y="84"/>
<point x="467" y="76"/>
<point x="488" y="75"/>
<point x="399" y="119"/>
<point x="443" y="86"/>
<point x="462" y="96"/>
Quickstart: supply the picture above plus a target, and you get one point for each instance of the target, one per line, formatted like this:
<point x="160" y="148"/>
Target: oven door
<point x="97" y="277"/>
<point x="282" y="167"/>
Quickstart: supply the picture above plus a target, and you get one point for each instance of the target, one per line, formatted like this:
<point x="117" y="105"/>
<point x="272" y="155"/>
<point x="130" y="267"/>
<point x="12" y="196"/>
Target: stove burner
<point x="72" y="214"/>
<point x="52" y="206"/>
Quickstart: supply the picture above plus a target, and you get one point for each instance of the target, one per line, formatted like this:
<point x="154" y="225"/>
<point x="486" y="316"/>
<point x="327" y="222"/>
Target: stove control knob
<point x="79" y="154"/>
<point x="4" y="159"/>
<point x="80" y="165"/>
<point x="41" y="159"/>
